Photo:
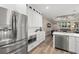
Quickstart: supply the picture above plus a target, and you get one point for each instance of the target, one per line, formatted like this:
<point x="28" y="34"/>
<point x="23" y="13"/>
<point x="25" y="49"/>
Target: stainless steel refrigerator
<point x="13" y="32"/>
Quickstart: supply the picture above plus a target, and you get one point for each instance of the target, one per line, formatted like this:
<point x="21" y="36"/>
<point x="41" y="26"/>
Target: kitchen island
<point x="66" y="41"/>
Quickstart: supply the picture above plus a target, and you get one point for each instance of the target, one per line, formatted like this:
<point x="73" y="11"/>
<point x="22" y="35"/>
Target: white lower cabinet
<point x="32" y="45"/>
<point x="40" y="38"/>
<point x="77" y="44"/>
<point x="72" y="44"/>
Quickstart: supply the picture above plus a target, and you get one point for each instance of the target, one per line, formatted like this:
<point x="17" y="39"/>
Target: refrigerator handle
<point x="14" y="32"/>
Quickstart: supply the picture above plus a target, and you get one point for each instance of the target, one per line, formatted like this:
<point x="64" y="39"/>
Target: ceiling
<point x="53" y="10"/>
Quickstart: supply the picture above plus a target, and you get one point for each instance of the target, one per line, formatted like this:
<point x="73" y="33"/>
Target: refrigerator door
<point x="5" y="25"/>
<point x="3" y="17"/>
<point x="21" y="27"/>
<point x="24" y="29"/>
<point x="15" y="25"/>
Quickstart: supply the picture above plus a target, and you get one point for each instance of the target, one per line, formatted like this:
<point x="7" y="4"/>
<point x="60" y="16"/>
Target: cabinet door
<point x="36" y="19"/>
<point x="77" y="45"/>
<point x="72" y="44"/>
<point x="61" y="41"/>
<point x="40" y="20"/>
<point x="30" y="17"/>
<point x="34" y="23"/>
<point x="66" y="43"/>
<point x="41" y="36"/>
<point x="23" y="25"/>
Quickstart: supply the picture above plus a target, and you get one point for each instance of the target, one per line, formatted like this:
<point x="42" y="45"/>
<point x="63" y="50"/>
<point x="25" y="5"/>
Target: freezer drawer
<point x="3" y="51"/>
<point x="21" y="50"/>
<point x="5" y="42"/>
<point x="11" y="47"/>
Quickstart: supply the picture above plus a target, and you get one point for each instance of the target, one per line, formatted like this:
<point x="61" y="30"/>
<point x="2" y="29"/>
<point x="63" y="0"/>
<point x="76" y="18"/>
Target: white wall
<point x="21" y="8"/>
<point x="9" y="6"/>
<point x="47" y="30"/>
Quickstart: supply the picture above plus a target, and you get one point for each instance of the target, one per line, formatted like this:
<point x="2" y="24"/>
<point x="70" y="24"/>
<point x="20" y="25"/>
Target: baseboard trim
<point x="66" y="50"/>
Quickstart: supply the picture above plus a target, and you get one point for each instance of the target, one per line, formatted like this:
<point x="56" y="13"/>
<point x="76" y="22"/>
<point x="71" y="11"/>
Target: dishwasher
<point x="62" y="42"/>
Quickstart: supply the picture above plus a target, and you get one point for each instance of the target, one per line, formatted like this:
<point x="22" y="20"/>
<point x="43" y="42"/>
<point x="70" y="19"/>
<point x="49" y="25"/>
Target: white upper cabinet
<point x="40" y="20"/>
<point x="34" y="18"/>
<point x="30" y="18"/>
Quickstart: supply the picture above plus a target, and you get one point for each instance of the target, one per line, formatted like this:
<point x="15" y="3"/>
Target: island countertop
<point x="69" y="41"/>
<point x="66" y="33"/>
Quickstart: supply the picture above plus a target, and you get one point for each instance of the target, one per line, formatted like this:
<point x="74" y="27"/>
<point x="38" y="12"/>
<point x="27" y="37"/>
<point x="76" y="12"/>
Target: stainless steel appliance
<point x="32" y="39"/>
<point x="13" y="32"/>
<point x="62" y="42"/>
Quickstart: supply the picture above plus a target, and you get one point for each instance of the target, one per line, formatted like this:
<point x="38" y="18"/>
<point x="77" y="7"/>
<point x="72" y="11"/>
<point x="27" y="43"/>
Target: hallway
<point x="46" y="48"/>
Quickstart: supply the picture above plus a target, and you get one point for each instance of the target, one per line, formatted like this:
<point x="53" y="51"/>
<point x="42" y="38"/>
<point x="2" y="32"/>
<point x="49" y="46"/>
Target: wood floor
<point x="46" y="47"/>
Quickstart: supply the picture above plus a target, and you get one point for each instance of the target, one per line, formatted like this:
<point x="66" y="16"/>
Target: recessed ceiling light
<point x="47" y="7"/>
